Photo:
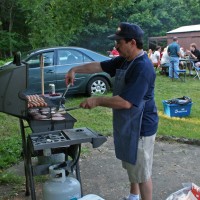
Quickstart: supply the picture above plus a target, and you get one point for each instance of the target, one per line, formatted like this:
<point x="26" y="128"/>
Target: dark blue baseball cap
<point x="127" y="30"/>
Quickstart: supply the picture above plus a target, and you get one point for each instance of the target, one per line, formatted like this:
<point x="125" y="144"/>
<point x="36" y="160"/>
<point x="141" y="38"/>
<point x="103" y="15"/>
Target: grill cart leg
<point x="23" y="135"/>
<point x="30" y="171"/>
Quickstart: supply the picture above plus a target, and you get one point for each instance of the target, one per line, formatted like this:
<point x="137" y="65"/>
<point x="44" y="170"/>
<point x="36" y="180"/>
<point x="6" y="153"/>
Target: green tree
<point x="27" y="24"/>
<point x="56" y="22"/>
<point x="6" y="17"/>
<point x="12" y="27"/>
<point x="101" y="21"/>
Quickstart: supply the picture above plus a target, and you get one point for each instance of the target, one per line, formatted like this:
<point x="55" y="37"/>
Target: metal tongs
<point x="63" y="97"/>
<point x="72" y="108"/>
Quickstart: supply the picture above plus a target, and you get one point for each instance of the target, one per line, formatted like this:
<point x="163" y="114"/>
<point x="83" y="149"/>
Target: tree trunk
<point x="10" y="29"/>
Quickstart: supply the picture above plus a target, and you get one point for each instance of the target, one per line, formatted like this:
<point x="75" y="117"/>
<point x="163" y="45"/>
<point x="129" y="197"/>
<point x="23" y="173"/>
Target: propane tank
<point x="60" y="187"/>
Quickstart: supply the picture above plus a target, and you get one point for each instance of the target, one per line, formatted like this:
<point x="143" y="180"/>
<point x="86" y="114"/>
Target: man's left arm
<point x="115" y="102"/>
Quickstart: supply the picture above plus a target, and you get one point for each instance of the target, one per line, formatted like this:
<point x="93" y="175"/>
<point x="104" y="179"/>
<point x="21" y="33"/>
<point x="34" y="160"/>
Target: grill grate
<point x="49" y="138"/>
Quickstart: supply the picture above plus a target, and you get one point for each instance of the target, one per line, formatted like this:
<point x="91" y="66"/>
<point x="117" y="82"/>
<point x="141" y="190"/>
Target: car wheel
<point x="97" y="85"/>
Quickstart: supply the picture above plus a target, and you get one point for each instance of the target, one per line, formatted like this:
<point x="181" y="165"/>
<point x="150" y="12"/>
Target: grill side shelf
<point x="64" y="138"/>
<point x="85" y="135"/>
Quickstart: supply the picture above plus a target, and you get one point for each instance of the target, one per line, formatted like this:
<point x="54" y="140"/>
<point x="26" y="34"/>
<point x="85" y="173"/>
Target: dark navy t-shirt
<point x="139" y="85"/>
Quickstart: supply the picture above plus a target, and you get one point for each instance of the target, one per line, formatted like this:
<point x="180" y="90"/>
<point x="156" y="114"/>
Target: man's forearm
<point x="193" y="56"/>
<point x="88" y="68"/>
<point x="115" y="102"/>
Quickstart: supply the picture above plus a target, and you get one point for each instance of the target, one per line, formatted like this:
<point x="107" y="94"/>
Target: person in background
<point x="113" y="53"/>
<point x="194" y="53"/>
<point x="156" y="57"/>
<point x="161" y="53"/>
<point x="150" y="53"/>
<point x="165" y="62"/>
<point x="174" y="54"/>
<point x="135" y="118"/>
<point x="182" y="52"/>
<point x="182" y="63"/>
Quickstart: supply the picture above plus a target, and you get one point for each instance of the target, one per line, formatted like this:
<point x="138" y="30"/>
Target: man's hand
<point x="69" y="78"/>
<point x="90" y="103"/>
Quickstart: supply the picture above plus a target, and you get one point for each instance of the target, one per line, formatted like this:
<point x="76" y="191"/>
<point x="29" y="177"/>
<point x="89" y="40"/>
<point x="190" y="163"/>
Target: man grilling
<point x="135" y="118"/>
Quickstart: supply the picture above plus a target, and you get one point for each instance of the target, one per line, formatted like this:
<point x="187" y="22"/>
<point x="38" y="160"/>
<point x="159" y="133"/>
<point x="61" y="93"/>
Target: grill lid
<point x="13" y="82"/>
<point x="13" y="92"/>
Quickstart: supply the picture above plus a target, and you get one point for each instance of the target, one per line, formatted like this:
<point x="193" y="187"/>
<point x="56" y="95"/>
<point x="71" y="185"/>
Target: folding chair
<point x="197" y="70"/>
<point x="178" y="72"/>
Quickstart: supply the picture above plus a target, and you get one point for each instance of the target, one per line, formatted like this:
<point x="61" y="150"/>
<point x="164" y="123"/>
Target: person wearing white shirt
<point x="165" y="62"/>
<point x="156" y="57"/>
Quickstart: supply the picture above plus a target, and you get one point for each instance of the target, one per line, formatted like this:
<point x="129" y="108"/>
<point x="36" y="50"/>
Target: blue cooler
<point x="177" y="110"/>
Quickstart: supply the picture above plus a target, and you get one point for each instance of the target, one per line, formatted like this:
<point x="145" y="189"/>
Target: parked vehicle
<point x="57" y="62"/>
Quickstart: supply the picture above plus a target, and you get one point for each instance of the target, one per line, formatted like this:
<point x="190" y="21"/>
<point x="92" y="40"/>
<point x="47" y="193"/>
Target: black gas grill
<point x="52" y="129"/>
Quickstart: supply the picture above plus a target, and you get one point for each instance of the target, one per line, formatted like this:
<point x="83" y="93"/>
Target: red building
<point x="186" y="35"/>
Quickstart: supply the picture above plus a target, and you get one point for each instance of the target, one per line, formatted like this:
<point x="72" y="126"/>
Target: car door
<point x="66" y="59"/>
<point x="34" y="81"/>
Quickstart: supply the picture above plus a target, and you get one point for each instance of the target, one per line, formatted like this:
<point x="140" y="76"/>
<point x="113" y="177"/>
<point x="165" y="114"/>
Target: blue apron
<point x="126" y="122"/>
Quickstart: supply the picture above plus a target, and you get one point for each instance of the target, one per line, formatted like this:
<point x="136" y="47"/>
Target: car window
<point x="69" y="56"/>
<point x="34" y="61"/>
<point x="87" y="59"/>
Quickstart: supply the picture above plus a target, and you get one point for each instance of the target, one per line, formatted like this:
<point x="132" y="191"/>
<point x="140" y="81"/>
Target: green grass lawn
<point x="100" y="119"/>
<point x="180" y="127"/>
